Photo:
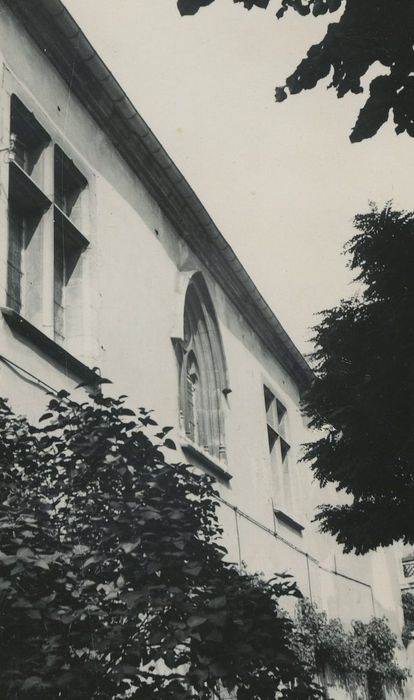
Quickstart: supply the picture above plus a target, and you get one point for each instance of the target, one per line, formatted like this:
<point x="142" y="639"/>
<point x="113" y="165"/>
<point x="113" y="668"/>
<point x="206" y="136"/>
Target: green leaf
<point x="46" y="416"/>
<point x="196" y="621"/>
<point x="32" y="682"/>
<point x="217" y="603"/>
<point x="129" y="547"/>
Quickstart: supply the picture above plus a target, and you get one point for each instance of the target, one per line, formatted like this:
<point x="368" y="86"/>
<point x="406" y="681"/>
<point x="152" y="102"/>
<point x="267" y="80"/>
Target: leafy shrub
<point x="112" y="577"/>
<point x="408" y="609"/>
<point x="365" y="655"/>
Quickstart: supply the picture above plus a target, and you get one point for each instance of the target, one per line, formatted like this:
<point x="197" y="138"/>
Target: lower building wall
<point x="334" y="590"/>
<point x="409" y="694"/>
<point x="344" y="586"/>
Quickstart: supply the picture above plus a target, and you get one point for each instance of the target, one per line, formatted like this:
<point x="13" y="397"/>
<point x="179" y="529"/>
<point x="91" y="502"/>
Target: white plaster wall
<point x="134" y="262"/>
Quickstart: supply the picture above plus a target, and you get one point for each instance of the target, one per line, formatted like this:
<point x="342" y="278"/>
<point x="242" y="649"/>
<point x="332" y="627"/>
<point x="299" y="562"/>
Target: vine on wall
<point x="408" y="609"/>
<point x="362" y="657"/>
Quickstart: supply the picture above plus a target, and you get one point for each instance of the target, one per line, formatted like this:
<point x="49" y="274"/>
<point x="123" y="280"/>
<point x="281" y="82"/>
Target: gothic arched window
<point x="202" y="372"/>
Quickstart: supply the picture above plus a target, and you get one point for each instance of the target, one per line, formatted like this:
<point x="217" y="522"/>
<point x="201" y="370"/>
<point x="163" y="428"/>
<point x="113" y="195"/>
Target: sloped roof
<point x="61" y="39"/>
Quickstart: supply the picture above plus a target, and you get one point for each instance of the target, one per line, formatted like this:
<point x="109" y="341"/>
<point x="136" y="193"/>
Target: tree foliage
<point x="369" y="33"/>
<point x="112" y="578"/>
<point x="363" y="395"/>
<point x="362" y="656"/>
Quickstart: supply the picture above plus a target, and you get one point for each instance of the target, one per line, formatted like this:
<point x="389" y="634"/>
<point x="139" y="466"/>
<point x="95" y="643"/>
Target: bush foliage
<point x="112" y="578"/>
<point x="363" y="656"/>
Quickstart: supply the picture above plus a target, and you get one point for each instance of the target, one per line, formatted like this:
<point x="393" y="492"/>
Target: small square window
<point x="69" y="184"/>
<point x="284" y="449"/>
<point x="27" y="135"/>
<point x="272" y="437"/>
<point x="268" y="397"/>
<point x="281" y="411"/>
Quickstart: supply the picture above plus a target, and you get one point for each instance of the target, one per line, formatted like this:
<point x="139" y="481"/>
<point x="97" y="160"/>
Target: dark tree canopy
<point x="363" y="396"/>
<point x="367" y="32"/>
<point x="112" y="578"/>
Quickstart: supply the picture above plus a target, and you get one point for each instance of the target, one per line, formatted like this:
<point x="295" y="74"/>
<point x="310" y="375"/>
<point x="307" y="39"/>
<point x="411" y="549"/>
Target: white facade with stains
<point x="108" y="251"/>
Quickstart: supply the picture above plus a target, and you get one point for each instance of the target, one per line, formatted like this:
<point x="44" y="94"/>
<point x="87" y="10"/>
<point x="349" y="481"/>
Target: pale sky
<point x="281" y="181"/>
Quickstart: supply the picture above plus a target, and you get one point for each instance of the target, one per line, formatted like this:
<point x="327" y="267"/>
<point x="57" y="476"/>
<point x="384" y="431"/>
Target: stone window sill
<point x="22" y="327"/>
<point x="287" y="519"/>
<point x="213" y="464"/>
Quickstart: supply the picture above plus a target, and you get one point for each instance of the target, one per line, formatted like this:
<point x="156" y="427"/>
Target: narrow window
<point x="29" y="139"/>
<point x="15" y="262"/>
<point x="279" y="450"/>
<point x="67" y="252"/>
<point x="27" y="204"/>
<point x="69" y="184"/>
<point x="69" y="242"/>
<point x="192" y="399"/>
<point x="202" y="374"/>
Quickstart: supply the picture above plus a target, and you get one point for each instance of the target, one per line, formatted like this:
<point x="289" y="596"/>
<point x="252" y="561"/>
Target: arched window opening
<point x="202" y="373"/>
<point x="192" y="399"/>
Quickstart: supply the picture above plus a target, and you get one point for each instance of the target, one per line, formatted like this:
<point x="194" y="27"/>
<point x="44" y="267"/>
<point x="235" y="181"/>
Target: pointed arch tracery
<point x="203" y="375"/>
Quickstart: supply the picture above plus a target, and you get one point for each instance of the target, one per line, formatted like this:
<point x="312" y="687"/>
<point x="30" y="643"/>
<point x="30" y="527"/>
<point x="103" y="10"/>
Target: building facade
<point x="109" y="264"/>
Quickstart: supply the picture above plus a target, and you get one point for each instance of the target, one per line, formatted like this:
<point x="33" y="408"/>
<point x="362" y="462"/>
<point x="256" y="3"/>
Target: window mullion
<point x="5" y="108"/>
<point x="48" y="253"/>
<point x="48" y="276"/>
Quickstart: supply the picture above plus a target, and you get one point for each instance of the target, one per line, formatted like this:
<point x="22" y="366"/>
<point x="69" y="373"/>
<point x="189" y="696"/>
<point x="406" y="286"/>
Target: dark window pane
<point x="15" y="255"/>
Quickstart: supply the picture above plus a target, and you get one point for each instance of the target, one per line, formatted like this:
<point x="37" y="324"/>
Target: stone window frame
<point x="281" y="459"/>
<point x="202" y="376"/>
<point x="48" y="193"/>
